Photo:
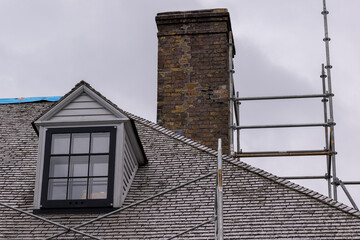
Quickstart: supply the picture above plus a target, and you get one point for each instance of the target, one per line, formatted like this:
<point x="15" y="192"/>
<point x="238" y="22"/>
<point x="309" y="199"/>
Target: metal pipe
<point x="283" y="97"/>
<point x="48" y="221"/>
<point x="284" y="125"/>
<point x="231" y="94"/>
<point x="306" y="177"/>
<point x="220" y="235"/>
<point x="328" y="71"/>
<point x="216" y="205"/>
<point x="348" y="195"/>
<point x="351" y="182"/>
<point x="328" y="158"/>
<point x="238" y="124"/>
<point x="190" y="229"/>
<point x="283" y="153"/>
<point x="134" y="204"/>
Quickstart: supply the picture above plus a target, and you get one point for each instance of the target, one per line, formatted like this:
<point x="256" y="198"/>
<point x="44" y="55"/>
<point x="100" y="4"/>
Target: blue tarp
<point x="29" y="99"/>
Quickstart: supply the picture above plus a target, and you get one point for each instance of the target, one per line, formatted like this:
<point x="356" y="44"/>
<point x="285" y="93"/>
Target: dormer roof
<point x="81" y="104"/>
<point x="84" y="105"/>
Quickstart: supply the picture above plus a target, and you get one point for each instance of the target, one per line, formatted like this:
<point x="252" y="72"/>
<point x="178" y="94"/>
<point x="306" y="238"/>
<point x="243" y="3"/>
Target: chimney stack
<point x="193" y="74"/>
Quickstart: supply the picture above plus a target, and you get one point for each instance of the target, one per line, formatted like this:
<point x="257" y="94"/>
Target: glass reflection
<point x="57" y="189"/>
<point x="58" y="167"/>
<point x="78" y="166"/>
<point x="100" y="142"/>
<point x="77" y="188"/>
<point x="80" y="142"/>
<point x="97" y="188"/>
<point x="60" y="144"/>
<point x="99" y="165"/>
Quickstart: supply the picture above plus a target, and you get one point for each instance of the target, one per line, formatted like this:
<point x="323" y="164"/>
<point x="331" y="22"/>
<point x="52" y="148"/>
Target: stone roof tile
<point x="257" y="204"/>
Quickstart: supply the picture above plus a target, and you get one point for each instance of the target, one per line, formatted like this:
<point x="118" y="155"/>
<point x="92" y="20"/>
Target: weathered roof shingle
<point x="257" y="204"/>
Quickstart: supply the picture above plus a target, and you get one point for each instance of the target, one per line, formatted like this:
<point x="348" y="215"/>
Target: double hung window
<point x="79" y="167"/>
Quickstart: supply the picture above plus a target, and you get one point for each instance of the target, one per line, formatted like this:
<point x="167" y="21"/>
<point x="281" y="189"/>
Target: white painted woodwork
<point x="83" y="108"/>
<point x="130" y="166"/>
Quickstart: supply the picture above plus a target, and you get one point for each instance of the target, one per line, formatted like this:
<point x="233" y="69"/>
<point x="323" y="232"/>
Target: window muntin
<point x="79" y="167"/>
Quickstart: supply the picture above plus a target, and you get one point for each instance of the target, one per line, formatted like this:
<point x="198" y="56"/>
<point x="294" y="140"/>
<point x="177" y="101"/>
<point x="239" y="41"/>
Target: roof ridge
<point x="284" y="182"/>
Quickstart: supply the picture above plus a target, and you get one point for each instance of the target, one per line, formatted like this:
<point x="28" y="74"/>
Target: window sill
<point x="94" y="210"/>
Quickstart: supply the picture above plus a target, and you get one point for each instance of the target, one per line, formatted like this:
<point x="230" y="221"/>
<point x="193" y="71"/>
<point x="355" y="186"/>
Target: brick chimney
<point x="193" y="74"/>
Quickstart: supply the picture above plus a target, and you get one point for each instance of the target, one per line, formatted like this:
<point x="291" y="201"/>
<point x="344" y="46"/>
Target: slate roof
<point x="257" y="204"/>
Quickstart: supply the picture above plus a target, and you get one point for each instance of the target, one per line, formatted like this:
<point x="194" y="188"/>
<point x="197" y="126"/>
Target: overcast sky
<point x="46" y="47"/>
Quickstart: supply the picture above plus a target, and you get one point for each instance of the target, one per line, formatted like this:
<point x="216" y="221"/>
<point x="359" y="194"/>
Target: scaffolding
<point x="326" y="97"/>
<point x="217" y="219"/>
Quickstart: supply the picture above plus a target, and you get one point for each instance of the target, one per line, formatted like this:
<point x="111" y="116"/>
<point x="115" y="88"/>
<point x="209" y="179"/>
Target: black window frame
<point x="78" y="203"/>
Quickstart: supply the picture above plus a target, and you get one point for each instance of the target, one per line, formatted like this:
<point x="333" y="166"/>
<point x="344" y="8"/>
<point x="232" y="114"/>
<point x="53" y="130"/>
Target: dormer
<point x="89" y="152"/>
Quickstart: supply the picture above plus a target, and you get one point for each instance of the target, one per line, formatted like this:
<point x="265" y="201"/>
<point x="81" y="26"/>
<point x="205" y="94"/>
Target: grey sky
<point x="46" y="47"/>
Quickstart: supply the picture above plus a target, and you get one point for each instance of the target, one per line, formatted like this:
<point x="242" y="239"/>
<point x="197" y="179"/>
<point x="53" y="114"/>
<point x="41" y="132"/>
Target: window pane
<point x="99" y="165"/>
<point x="78" y="166"/>
<point x="98" y="188"/>
<point x="100" y="142"/>
<point x="58" y="167"/>
<point x="57" y="189"/>
<point x="77" y="188"/>
<point x="60" y="143"/>
<point x="80" y="142"/>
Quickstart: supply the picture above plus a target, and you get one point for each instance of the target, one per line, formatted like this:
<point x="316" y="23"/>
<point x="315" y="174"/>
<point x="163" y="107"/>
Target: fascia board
<point x="47" y="116"/>
<point x="79" y="123"/>
<point x="104" y="103"/>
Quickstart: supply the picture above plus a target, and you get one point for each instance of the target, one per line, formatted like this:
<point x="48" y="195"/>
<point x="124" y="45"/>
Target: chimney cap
<point x="217" y="12"/>
<point x="190" y="17"/>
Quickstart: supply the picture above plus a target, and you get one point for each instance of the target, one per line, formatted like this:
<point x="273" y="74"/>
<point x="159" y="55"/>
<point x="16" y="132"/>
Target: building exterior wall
<point x="193" y="74"/>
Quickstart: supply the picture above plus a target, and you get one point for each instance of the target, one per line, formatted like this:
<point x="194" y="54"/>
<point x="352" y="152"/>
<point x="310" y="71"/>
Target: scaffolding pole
<point x="282" y="153"/>
<point x="325" y="95"/>
<point x="192" y="228"/>
<point x="131" y="205"/>
<point x="305" y="177"/>
<point x="328" y="158"/>
<point x="238" y="124"/>
<point x="284" y="126"/>
<point x="231" y="93"/>
<point x="68" y="229"/>
<point x="329" y="150"/>
<point x="219" y="196"/>
<point x="331" y="112"/>
<point x="339" y="182"/>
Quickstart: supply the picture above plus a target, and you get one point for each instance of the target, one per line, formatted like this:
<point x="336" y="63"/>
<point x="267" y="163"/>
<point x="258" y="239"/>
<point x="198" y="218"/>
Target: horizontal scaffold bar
<point x="307" y="177"/>
<point x="283" y="97"/>
<point x="284" y="125"/>
<point x="351" y="182"/>
<point x="282" y="153"/>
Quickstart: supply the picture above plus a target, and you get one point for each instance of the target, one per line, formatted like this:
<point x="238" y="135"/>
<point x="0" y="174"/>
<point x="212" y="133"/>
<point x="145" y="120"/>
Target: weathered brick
<point x="198" y="65"/>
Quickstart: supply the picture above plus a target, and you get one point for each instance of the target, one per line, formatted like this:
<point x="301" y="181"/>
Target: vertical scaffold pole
<point x="219" y="194"/>
<point x="331" y="120"/>
<point x="328" y="157"/>
<point x="231" y="94"/>
<point x="238" y="124"/>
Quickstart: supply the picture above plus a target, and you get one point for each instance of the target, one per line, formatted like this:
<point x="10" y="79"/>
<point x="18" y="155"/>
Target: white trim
<point x="102" y="102"/>
<point x="134" y="143"/>
<point x="39" y="168"/>
<point x="62" y="104"/>
<point x="80" y="123"/>
<point x="119" y="166"/>
<point x="82" y="89"/>
<point x="122" y="123"/>
<point x="131" y="159"/>
<point x="119" y="159"/>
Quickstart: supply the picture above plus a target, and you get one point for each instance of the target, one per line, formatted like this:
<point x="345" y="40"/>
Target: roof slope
<point x="257" y="205"/>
